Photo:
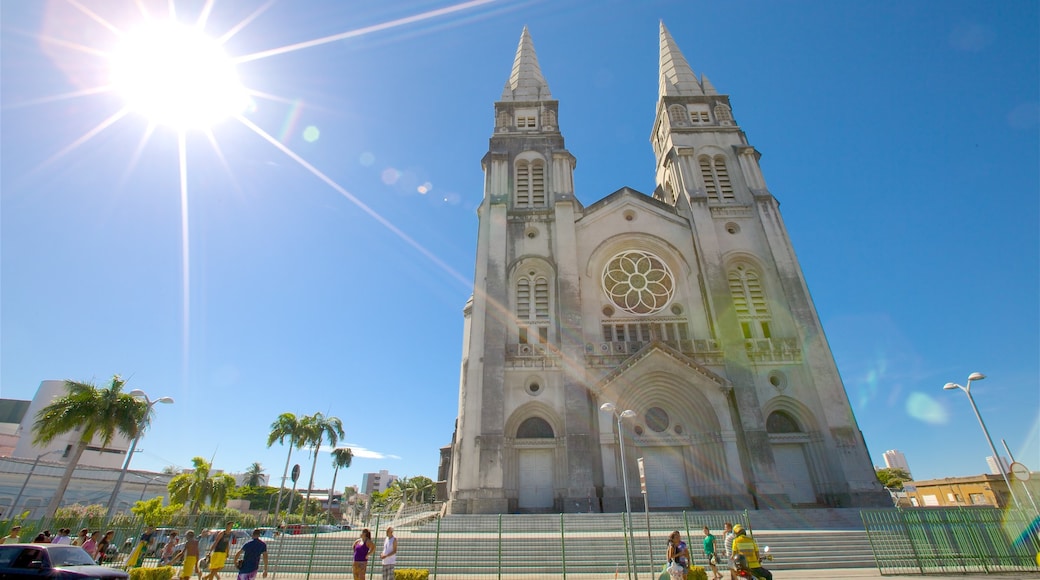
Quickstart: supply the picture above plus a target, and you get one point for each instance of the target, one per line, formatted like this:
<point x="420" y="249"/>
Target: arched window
<point x="678" y="116"/>
<point x="782" y="422"/>
<point x="532" y="307"/>
<point x="534" y="428"/>
<point x="716" y="178"/>
<point x="530" y="183"/>
<point x="749" y="302"/>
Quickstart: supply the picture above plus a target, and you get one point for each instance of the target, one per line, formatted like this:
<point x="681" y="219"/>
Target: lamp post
<point x="146" y="484"/>
<point x="138" y="394"/>
<point x="967" y="391"/>
<point x="26" y="482"/>
<point x="626" y="414"/>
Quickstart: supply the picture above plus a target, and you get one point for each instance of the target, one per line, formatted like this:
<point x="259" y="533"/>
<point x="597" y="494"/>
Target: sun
<point x="174" y="75"/>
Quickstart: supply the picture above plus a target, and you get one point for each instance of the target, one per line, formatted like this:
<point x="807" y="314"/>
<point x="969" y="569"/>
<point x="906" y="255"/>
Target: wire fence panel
<point x="952" y="540"/>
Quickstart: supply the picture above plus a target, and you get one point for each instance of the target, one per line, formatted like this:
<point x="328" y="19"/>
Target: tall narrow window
<point x="538" y="183"/>
<point x="749" y="301"/>
<point x="532" y="308"/>
<point x="716" y="178"/>
<point x="523" y="184"/>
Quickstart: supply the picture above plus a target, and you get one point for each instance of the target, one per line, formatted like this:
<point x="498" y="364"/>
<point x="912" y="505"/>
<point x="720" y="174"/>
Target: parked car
<point x="52" y="561"/>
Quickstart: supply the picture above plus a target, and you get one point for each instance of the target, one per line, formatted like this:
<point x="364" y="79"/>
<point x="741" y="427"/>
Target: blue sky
<point x="901" y="139"/>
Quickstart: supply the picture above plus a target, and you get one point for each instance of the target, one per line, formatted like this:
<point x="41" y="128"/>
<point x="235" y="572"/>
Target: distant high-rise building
<point x="373" y="482"/>
<point x="995" y="468"/>
<point x="895" y="458"/>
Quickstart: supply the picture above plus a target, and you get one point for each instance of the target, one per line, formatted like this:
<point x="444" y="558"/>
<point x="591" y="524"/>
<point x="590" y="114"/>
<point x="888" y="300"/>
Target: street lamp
<point x="146" y="484"/>
<point x="626" y="414"/>
<point x="996" y="456"/>
<point x="138" y="394"/>
<point x="26" y="482"/>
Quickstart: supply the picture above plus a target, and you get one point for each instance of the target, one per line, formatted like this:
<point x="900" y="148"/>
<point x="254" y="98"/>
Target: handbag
<point x="675" y="570"/>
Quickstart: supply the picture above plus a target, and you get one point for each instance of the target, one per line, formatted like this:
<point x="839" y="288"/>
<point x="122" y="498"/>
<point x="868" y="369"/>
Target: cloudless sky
<point x="901" y="138"/>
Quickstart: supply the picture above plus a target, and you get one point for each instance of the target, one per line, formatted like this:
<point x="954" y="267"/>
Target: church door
<point x="536" y="479"/>
<point x="793" y="472"/>
<point x="666" y="485"/>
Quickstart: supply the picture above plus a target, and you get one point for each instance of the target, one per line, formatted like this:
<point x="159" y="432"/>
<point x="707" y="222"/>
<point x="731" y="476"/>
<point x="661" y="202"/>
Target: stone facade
<point x="686" y="306"/>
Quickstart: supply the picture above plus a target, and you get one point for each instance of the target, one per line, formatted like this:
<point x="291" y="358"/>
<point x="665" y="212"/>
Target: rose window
<point x="638" y="282"/>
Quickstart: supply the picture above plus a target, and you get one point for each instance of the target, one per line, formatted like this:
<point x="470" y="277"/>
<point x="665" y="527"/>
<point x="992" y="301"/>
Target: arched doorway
<point x="536" y="448"/>
<point x="792" y="468"/>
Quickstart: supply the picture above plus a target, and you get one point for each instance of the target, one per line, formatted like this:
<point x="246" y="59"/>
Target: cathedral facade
<point x="676" y="328"/>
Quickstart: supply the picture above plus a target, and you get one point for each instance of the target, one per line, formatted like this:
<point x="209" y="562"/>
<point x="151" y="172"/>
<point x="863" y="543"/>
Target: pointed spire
<point x="526" y="82"/>
<point x="677" y="78"/>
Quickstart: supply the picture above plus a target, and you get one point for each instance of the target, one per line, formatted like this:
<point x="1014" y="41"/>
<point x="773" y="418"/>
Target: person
<point x="745" y="545"/>
<point x="363" y="548"/>
<point x="678" y="553"/>
<point x="709" y="551"/>
<point x="190" y="555"/>
<point x="40" y="539"/>
<point x="169" y="548"/>
<point x="137" y="555"/>
<point x="250" y="555"/>
<point x="90" y="546"/>
<point x="63" y="537"/>
<point x="12" y="538"/>
<point x="389" y="554"/>
<point x="102" y="547"/>
<point x="218" y="553"/>
<point x="81" y="537"/>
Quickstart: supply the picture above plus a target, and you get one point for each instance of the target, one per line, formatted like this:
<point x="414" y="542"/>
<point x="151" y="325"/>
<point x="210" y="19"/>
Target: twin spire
<point x="677" y="79"/>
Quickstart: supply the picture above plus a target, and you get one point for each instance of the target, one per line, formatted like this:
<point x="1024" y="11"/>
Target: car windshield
<point x="69" y="556"/>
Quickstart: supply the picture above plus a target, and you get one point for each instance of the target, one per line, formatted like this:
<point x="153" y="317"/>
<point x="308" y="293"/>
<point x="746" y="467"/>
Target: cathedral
<point x="667" y="336"/>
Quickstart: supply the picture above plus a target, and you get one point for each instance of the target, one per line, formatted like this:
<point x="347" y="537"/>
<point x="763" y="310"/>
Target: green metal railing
<point x="952" y="540"/>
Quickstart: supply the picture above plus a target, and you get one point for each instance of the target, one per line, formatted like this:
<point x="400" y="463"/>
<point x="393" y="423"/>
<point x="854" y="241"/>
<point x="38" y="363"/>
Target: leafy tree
<point x="422" y="489"/>
<point x="254" y="475"/>
<point x="341" y="458"/>
<point x="315" y="429"/>
<point x="286" y="426"/>
<point x="154" y="513"/>
<point x="96" y="413"/>
<point x="197" y="488"/>
<point x="893" y="477"/>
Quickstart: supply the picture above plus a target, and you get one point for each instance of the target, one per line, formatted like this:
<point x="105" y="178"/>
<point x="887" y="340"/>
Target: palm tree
<point x="423" y="489"/>
<point x="96" y="413"/>
<point x="341" y="458"/>
<point x="285" y="426"/>
<point x="316" y="427"/>
<point x="254" y="475"/>
<point x="197" y="488"/>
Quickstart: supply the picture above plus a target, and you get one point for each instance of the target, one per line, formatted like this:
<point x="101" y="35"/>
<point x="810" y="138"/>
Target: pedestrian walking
<point x="709" y="551"/>
<point x="249" y="556"/>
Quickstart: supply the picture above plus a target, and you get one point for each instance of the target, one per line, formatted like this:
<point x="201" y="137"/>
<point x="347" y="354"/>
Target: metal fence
<point x="470" y="547"/>
<point x="953" y="540"/>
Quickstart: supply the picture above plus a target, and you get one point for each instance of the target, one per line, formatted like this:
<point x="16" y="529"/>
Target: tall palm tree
<point x="198" y="488"/>
<point x="97" y="414"/>
<point x="315" y="428"/>
<point x="286" y="426"/>
<point x="341" y="458"/>
<point x="254" y="475"/>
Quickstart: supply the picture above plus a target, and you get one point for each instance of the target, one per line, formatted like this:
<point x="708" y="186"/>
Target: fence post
<point x="437" y="549"/>
<point x="372" y="569"/>
<point x="499" y="546"/>
<point x="314" y="545"/>
<point x="563" y="546"/>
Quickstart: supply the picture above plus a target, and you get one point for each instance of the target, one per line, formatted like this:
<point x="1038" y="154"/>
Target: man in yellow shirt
<point x="746" y="546"/>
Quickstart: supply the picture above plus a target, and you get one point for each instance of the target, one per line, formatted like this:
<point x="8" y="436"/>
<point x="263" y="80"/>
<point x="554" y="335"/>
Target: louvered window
<point x="532" y="308"/>
<point x="523" y="299"/>
<point x="541" y="299"/>
<point x="716" y="178"/>
<point x="749" y="302"/>
<point x="523" y="184"/>
<point x="530" y="183"/>
<point x="677" y="115"/>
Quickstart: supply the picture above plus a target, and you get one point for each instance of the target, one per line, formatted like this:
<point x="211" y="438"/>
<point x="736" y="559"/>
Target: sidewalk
<point x="865" y="573"/>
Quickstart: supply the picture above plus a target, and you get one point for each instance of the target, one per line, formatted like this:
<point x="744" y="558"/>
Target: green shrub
<point x="161" y="573"/>
<point x="411" y="574"/>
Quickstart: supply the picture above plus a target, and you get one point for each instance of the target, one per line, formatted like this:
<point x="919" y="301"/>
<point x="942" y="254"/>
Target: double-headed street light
<point x="996" y="456"/>
<point x="137" y="394"/>
<point x="626" y="414"/>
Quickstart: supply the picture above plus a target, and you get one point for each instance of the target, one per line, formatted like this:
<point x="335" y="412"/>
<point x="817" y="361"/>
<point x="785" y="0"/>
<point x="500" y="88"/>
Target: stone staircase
<point x="468" y="545"/>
